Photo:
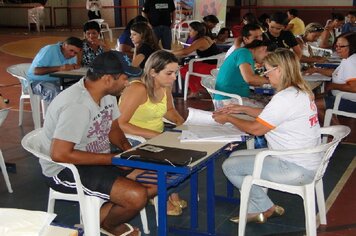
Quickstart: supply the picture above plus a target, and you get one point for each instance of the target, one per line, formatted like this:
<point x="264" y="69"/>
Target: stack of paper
<point x="203" y="128"/>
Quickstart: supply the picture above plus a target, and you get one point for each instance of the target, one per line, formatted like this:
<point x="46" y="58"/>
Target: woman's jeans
<point x="239" y="165"/>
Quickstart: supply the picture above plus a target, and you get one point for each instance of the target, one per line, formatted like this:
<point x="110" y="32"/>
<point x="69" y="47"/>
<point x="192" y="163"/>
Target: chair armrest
<point x="338" y="97"/>
<point x="260" y="157"/>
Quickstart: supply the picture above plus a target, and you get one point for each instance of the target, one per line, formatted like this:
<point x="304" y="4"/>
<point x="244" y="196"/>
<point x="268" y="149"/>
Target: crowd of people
<point x="82" y="121"/>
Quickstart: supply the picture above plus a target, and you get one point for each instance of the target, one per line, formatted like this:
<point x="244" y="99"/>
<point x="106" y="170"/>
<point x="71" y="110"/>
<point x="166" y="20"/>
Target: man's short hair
<point x="353" y="13"/>
<point x="280" y="18"/>
<point x="91" y="25"/>
<point x="247" y="28"/>
<point x="293" y="12"/>
<point x="77" y="42"/>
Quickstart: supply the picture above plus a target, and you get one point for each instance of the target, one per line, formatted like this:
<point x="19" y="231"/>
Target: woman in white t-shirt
<point x="289" y="121"/>
<point x="343" y="77"/>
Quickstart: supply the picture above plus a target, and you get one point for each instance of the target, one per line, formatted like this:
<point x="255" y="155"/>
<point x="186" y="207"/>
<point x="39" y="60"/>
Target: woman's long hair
<point x="157" y="61"/>
<point x="291" y="74"/>
<point x="147" y="34"/>
<point x="199" y="27"/>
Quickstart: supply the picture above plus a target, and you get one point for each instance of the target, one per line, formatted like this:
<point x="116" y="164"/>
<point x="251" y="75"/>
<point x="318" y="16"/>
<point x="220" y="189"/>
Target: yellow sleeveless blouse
<point x="150" y="115"/>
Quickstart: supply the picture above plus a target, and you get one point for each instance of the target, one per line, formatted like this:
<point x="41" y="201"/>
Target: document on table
<point x="316" y="77"/>
<point x="201" y="127"/>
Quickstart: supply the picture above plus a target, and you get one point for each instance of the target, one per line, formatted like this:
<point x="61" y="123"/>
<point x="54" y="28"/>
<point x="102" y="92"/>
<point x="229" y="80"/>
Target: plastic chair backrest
<point x="338" y="132"/>
<point x="20" y="71"/>
<point x="208" y="82"/>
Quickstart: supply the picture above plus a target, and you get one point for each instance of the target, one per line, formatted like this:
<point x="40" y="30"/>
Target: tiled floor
<point x="30" y="192"/>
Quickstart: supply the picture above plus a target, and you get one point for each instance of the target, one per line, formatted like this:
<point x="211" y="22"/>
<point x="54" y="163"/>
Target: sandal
<point x="131" y="230"/>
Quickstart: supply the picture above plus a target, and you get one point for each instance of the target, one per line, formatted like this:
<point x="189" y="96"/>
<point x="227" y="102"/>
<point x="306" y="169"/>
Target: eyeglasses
<point x="341" y="46"/>
<point x="268" y="71"/>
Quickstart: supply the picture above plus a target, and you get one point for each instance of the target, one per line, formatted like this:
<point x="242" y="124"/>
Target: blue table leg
<point x="194" y="200"/>
<point x="210" y="192"/>
<point x="162" y="204"/>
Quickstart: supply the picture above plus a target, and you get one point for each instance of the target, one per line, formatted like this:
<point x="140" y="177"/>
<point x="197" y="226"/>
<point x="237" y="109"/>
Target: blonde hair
<point x="313" y="27"/>
<point x="291" y="74"/>
<point x="157" y="61"/>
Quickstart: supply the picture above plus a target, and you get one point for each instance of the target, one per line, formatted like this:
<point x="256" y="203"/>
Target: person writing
<point x="289" y="121"/>
<point x="236" y="74"/>
<point x="312" y="34"/>
<point x="343" y="77"/>
<point x="80" y="124"/>
<point x="145" y="103"/>
<point x="52" y="58"/>
<point x="92" y="45"/>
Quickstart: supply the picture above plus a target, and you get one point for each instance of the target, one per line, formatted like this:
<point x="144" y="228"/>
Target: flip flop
<point x="131" y="229"/>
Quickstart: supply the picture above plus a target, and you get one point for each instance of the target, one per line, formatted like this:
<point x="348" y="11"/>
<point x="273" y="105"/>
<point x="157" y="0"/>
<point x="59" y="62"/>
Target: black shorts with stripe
<point x="97" y="180"/>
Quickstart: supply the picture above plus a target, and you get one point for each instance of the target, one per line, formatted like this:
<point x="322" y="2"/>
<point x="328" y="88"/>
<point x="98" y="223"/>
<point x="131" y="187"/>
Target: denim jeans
<point x="164" y="34"/>
<point x="239" y="165"/>
<point x="46" y="89"/>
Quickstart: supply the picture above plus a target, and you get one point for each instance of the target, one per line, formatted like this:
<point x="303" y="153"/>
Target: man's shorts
<point x="97" y="180"/>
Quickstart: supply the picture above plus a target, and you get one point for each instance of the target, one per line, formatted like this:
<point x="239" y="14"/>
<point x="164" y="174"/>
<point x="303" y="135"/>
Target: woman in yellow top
<point x="145" y="102"/>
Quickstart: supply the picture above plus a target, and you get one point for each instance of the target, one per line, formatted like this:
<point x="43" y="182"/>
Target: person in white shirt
<point x="289" y="121"/>
<point x="343" y="77"/>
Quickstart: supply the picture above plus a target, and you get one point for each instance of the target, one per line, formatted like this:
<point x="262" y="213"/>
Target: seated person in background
<point x="145" y="102"/>
<point x="249" y="33"/>
<point x="295" y="25"/>
<point x="52" y="58"/>
<point x="312" y="34"/>
<point x="236" y="74"/>
<point x="277" y="37"/>
<point x="204" y="46"/>
<point x="92" y="45"/>
<point x="223" y="35"/>
<point x="124" y="43"/>
<point x="328" y="36"/>
<point x="289" y="121"/>
<point x="350" y="25"/>
<point x="343" y="77"/>
<point x="210" y="21"/>
<point x="80" y="124"/>
<point x="145" y="42"/>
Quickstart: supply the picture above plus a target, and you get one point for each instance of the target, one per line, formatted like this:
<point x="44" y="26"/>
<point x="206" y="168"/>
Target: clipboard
<point x="164" y="155"/>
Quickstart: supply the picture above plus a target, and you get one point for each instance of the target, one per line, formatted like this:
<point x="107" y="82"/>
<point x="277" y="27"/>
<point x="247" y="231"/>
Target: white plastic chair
<point x="182" y="29"/>
<point x="89" y="205"/>
<point x="36" y="16"/>
<point x="3" y="115"/>
<point x="307" y="191"/>
<point x="219" y="57"/>
<point x="104" y="27"/>
<point x="20" y="71"/>
<point x="208" y="82"/>
<point x="336" y="111"/>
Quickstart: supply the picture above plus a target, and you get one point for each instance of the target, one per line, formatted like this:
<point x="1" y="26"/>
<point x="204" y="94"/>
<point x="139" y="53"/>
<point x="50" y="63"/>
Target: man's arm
<point x="117" y="136"/>
<point x="63" y="151"/>
<point x="52" y="69"/>
<point x="250" y="77"/>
